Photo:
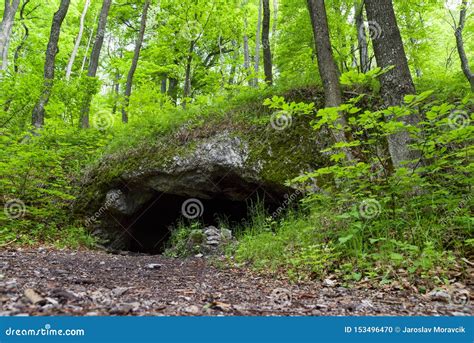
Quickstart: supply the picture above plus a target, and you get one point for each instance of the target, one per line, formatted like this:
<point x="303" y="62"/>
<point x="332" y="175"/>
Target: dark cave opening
<point x="149" y="229"/>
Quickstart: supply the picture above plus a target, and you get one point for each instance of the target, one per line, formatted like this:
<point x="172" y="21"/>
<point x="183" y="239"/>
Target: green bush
<point x="186" y="239"/>
<point x="38" y="183"/>
<point x="368" y="219"/>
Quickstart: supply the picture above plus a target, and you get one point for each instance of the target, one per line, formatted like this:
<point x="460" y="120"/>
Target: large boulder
<point x="133" y="199"/>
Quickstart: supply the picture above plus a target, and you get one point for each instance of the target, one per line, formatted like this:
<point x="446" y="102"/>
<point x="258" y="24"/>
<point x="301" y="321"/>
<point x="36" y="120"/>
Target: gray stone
<point x="220" y="166"/>
<point x="226" y="234"/>
<point x="439" y="295"/>
<point x="153" y="266"/>
<point x="211" y="231"/>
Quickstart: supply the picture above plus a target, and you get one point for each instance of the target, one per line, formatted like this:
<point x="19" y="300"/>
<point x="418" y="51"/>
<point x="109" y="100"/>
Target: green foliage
<point x="186" y="239"/>
<point x="368" y="220"/>
<point x="367" y="81"/>
<point x="37" y="172"/>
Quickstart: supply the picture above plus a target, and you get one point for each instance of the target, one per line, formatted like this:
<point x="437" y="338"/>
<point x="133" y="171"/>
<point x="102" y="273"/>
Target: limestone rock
<point x="143" y="189"/>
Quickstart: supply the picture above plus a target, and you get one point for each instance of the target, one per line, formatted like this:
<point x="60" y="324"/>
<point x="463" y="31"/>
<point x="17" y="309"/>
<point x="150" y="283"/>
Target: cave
<point x="148" y="229"/>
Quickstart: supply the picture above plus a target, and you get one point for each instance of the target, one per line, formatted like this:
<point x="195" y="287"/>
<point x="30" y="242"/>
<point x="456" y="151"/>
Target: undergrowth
<point x="368" y="220"/>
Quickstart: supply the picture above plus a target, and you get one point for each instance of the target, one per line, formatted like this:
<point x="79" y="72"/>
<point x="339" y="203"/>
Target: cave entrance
<point x="149" y="229"/>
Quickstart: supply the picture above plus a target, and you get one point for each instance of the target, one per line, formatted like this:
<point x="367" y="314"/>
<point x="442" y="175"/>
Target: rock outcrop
<point x="131" y="200"/>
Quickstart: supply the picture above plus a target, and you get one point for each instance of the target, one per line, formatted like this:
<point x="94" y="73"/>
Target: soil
<point x="45" y="281"/>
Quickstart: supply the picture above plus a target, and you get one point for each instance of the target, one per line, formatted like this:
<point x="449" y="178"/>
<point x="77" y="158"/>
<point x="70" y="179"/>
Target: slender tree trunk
<point x="326" y="63"/>
<point x="267" y="54"/>
<point x="246" y="47"/>
<point x="460" y="45"/>
<point x="78" y="41"/>
<point x="275" y="24"/>
<point x="173" y="89"/>
<point x="16" y="56"/>
<point x="397" y="82"/>
<point x="327" y="66"/>
<point x="354" y="62"/>
<point x="133" y="67"/>
<point x="94" y="60"/>
<point x="50" y="61"/>
<point x="187" y="74"/>
<point x="116" y="90"/>
<point x="6" y="27"/>
<point x="89" y="41"/>
<point x="235" y="61"/>
<point x="246" y="53"/>
<point x="18" y="49"/>
<point x="257" y="44"/>
<point x="362" y="36"/>
<point x="164" y="82"/>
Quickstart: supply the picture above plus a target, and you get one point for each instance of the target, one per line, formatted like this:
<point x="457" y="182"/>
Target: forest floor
<point x="45" y="281"/>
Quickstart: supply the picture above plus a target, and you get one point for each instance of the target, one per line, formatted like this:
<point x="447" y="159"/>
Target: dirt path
<point x="96" y="283"/>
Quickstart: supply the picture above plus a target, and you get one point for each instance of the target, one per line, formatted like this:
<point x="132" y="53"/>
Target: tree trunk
<point x="6" y="27"/>
<point x="116" y="90"/>
<point x="362" y="37"/>
<point x="89" y="41"/>
<point x="94" y="60"/>
<point x="275" y="24"/>
<point x="164" y="84"/>
<point x="257" y="44"/>
<point x="235" y="61"/>
<point x="397" y="82"/>
<point x="327" y="66"/>
<point x="78" y="41"/>
<point x="460" y="45"/>
<point x="187" y="76"/>
<point x="267" y="54"/>
<point x="20" y="46"/>
<point x="246" y="53"/>
<point x="18" y="49"/>
<point x="326" y="63"/>
<point x="50" y="61"/>
<point x="136" y="56"/>
<point x="173" y="90"/>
